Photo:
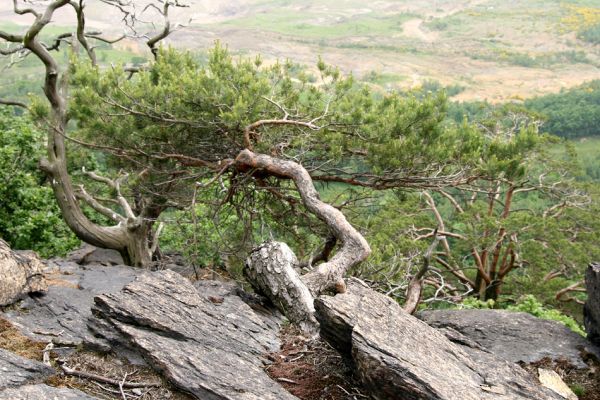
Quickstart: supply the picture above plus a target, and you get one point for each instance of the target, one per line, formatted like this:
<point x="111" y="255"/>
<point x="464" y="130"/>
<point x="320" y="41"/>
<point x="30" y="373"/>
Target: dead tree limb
<point x="415" y="287"/>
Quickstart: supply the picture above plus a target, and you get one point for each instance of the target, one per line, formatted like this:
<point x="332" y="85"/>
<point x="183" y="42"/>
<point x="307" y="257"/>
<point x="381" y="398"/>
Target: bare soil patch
<point x="312" y="369"/>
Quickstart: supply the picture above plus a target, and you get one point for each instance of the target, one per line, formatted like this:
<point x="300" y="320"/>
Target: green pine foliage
<point x="572" y="113"/>
<point x="29" y="216"/>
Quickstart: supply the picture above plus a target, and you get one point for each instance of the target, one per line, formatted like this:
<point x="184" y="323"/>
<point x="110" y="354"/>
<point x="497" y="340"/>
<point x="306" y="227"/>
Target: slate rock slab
<point x="400" y="357"/>
<point x="20" y="274"/>
<point x="16" y="370"/>
<point x="591" y="310"/>
<point x="88" y="254"/>
<point x="514" y="336"/>
<point x="43" y="392"/>
<point x="61" y="314"/>
<point x="203" y="339"/>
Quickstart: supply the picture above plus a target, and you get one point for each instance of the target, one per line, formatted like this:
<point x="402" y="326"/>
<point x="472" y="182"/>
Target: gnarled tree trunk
<point x="132" y="234"/>
<point x="287" y="292"/>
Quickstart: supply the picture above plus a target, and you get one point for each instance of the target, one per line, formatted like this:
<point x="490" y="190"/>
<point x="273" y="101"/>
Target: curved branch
<point x="153" y="41"/>
<point x="23" y="11"/>
<point x="95" y="204"/>
<point x="81" y="36"/>
<point x="11" y="37"/>
<point x="13" y="103"/>
<point x="354" y="248"/>
<point x="10" y="51"/>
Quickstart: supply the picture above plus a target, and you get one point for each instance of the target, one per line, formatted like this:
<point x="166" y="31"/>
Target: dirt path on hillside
<point x="413" y="29"/>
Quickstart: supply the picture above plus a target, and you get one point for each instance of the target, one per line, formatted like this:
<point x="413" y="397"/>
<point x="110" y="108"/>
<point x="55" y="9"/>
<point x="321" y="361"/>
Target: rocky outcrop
<point x="400" y="357"/>
<point x="61" y="314"/>
<point x="20" y="274"/>
<point x="203" y="338"/>
<point x="514" y="336"/>
<point x="591" y="310"/>
<point x="16" y="371"/>
<point x="43" y="392"/>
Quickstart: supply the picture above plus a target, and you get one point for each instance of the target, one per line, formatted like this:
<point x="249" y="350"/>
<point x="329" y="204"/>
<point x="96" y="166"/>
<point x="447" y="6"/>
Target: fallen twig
<point x="103" y="379"/>
<point x="287" y="380"/>
<point x="121" y="386"/>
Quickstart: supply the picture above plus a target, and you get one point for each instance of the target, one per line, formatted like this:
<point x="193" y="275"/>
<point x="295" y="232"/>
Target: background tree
<point x="132" y="231"/>
<point x="524" y="225"/>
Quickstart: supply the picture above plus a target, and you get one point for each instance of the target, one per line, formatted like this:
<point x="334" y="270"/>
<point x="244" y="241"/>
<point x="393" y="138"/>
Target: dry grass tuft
<point x="13" y="340"/>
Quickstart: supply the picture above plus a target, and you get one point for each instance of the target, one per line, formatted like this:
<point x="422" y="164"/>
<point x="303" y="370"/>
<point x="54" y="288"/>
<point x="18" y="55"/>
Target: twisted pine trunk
<point x="271" y="267"/>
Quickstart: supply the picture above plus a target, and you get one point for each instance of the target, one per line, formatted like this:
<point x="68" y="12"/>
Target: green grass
<point x="383" y="79"/>
<point x="315" y="26"/>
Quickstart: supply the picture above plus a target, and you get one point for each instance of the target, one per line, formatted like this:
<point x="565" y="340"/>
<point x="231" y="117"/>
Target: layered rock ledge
<point x="204" y="339"/>
<point x="401" y="357"/>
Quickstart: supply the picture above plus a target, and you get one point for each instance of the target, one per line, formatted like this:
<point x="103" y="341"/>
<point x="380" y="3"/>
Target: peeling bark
<point x="270" y="267"/>
<point x="270" y="270"/>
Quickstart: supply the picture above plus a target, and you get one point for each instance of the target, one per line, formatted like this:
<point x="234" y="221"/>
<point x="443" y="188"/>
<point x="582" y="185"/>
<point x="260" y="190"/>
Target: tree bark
<point x="415" y="286"/>
<point x="354" y="248"/>
<point x="270" y="269"/>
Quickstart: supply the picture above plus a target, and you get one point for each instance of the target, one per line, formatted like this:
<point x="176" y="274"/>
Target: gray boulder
<point x="43" y="392"/>
<point x="20" y="274"/>
<point x="591" y="310"/>
<point x="204" y="339"/>
<point x="88" y="254"/>
<point x="17" y="371"/>
<point x="514" y="336"/>
<point x="398" y="356"/>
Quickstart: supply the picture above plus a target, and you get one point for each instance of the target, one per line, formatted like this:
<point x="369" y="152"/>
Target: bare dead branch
<point x="561" y="295"/>
<point x="415" y="287"/>
<point x="23" y="11"/>
<point x="92" y="202"/>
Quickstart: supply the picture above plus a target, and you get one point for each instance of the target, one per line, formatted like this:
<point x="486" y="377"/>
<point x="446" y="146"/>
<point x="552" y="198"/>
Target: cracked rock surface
<point x="16" y="370"/>
<point x="43" y="392"/>
<point x="202" y="337"/>
<point x="400" y="357"/>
